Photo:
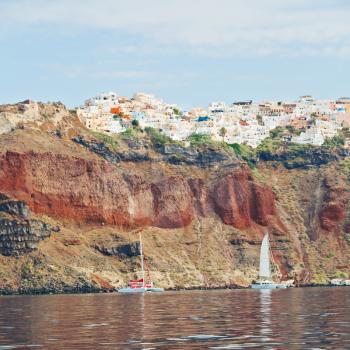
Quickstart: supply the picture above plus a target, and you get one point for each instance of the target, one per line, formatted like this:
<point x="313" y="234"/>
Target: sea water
<point x="300" y="318"/>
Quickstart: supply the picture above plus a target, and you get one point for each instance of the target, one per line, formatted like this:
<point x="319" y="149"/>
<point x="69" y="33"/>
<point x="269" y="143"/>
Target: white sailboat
<point x="265" y="279"/>
<point x="140" y="285"/>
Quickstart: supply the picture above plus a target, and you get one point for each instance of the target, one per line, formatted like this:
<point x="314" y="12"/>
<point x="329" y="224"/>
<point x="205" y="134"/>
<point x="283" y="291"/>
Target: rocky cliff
<point x="18" y="233"/>
<point x="202" y="210"/>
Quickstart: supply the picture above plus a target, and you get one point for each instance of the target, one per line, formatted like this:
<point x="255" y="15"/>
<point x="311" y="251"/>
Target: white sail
<point x="265" y="272"/>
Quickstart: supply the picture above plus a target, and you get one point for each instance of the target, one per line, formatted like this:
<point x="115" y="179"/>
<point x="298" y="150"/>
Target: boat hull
<point x="139" y="290"/>
<point x="155" y="289"/>
<point x="268" y="286"/>
<point x="132" y="290"/>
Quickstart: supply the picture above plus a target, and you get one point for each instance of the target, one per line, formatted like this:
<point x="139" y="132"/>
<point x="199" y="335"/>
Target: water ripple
<point x="235" y="319"/>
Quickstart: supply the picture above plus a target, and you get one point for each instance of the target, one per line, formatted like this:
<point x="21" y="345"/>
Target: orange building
<point x="116" y="110"/>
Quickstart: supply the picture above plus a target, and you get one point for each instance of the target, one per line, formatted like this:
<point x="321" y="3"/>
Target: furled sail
<point x="265" y="272"/>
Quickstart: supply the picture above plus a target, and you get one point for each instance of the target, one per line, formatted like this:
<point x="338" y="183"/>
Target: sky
<point x="187" y="52"/>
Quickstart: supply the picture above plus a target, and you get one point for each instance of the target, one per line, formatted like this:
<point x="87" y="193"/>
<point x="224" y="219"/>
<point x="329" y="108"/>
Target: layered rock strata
<point x="18" y="233"/>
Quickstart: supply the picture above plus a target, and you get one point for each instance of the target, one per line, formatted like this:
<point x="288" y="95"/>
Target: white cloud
<point x="245" y="27"/>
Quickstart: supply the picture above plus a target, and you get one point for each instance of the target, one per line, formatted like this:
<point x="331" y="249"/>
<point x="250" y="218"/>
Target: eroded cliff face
<point x="316" y="201"/>
<point x="202" y="221"/>
<point x="94" y="191"/>
<point x="239" y="201"/>
<point x="333" y="212"/>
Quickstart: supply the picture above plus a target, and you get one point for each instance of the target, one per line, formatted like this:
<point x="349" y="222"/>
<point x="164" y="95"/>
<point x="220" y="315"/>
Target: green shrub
<point x="334" y="142"/>
<point x="106" y="139"/>
<point x="275" y="147"/>
<point x="204" y="140"/>
<point x="135" y="123"/>
<point x="292" y="130"/>
<point x="176" y="111"/>
<point x="257" y="175"/>
<point x="299" y="150"/>
<point x="340" y="274"/>
<point x="198" y="140"/>
<point x="345" y="166"/>
<point x="129" y="134"/>
<point x="330" y="255"/>
<point x="243" y="150"/>
<point x="268" y="145"/>
<point x="27" y="270"/>
<point x="157" y="137"/>
<point x="277" y="132"/>
<point x="222" y="133"/>
<point x="319" y="278"/>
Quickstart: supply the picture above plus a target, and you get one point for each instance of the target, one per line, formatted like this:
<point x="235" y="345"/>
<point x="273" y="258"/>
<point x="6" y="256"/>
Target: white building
<point x="310" y="136"/>
<point x="245" y="122"/>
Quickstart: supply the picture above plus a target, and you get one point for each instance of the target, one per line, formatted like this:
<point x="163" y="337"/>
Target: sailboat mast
<point x="142" y="268"/>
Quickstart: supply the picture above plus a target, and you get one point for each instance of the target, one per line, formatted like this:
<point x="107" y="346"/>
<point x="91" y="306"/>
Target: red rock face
<point x="239" y="201"/>
<point x="332" y="215"/>
<point x="200" y="195"/>
<point x="66" y="187"/>
<point x="263" y="204"/>
<point x="173" y="203"/>
<point x="90" y="191"/>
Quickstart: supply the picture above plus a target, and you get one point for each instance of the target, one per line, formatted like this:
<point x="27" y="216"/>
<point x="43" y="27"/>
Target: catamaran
<point x="265" y="278"/>
<point x="140" y="285"/>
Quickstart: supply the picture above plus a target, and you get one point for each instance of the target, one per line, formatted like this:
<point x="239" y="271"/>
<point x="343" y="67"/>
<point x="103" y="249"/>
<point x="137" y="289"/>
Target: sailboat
<point x="265" y="280"/>
<point x="140" y="285"/>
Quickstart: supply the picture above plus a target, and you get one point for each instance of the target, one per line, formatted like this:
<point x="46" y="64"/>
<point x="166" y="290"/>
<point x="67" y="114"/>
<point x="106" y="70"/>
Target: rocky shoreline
<point x="94" y="290"/>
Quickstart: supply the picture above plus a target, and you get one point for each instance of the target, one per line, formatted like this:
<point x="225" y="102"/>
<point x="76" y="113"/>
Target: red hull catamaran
<point x="140" y="285"/>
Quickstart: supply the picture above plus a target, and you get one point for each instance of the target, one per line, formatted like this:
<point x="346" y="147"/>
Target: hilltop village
<point x="310" y="121"/>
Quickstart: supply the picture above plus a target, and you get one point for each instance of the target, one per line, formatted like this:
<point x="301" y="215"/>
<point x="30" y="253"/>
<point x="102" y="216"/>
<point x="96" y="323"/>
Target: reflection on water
<point x="310" y="318"/>
<point x="265" y="311"/>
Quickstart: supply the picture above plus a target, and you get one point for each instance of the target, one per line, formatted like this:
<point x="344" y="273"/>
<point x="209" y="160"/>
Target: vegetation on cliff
<point x="277" y="148"/>
<point x="159" y="139"/>
<point x="111" y="141"/>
